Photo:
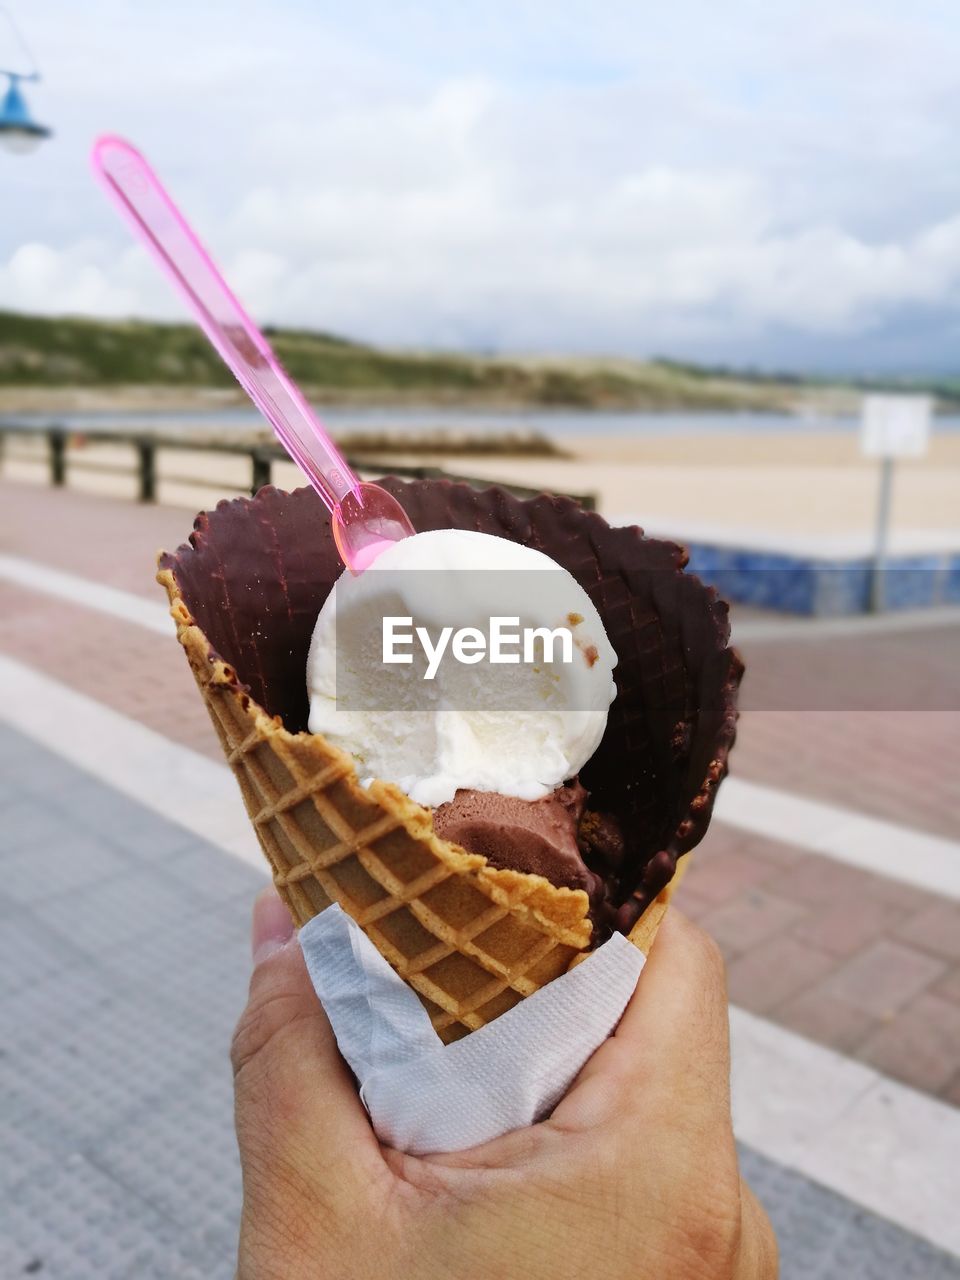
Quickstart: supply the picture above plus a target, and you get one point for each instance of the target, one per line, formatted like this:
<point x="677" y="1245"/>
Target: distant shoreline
<point x="161" y="399"/>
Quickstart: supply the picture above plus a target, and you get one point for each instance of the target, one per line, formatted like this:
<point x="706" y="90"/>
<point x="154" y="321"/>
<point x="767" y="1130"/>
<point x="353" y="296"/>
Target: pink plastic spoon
<point x="365" y="518"/>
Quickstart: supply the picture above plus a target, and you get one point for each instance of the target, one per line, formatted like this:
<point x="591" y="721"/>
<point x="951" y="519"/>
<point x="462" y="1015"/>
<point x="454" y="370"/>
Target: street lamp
<point x="19" y="132"/>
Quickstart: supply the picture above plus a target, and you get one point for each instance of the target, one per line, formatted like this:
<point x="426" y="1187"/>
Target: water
<point x="553" y="423"/>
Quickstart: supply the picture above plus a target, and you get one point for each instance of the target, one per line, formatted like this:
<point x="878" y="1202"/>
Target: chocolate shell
<point x="257" y="571"/>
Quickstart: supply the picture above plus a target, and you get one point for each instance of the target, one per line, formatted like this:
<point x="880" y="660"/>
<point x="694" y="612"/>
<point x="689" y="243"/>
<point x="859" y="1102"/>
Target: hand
<point x="634" y="1175"/>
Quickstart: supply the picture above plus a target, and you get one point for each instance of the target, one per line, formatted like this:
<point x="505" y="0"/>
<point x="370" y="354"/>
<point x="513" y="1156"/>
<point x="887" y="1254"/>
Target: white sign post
<point x="891" y="427"/>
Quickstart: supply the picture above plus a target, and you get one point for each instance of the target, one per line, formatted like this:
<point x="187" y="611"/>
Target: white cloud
<point x="535" y="180"/>
<point x="464" y="262"/>
<point x="40" y="278"/>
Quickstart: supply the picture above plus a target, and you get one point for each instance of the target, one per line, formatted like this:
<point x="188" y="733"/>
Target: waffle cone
<point x="472" y="940"/>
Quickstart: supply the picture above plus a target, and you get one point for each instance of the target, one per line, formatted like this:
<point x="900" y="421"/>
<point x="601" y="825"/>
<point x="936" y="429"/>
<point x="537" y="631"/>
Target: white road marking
<point x="163" y="776"/>
<point x="152" y="615"/>
<point x="876" y="1142"/>
<point x="902" y="853"/>
<point x="882" y="1145"/>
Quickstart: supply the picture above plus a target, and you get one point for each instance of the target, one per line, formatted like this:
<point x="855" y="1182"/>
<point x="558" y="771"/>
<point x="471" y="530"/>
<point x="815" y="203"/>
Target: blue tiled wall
<point x="825" y="588"/>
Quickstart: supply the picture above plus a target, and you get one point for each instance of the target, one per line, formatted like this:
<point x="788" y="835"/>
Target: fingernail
<point x="272" y="925"/>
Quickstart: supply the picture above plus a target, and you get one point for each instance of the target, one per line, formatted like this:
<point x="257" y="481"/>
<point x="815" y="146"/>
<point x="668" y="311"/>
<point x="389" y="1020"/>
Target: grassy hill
<point x="41" y="352"/>
<point x="50" y="352"/>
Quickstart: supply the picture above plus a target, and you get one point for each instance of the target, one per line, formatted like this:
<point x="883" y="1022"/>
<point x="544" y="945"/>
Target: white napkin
<point x="424" y="1096"/>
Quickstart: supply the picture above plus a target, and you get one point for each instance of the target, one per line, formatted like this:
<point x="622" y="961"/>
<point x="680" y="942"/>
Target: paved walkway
<point x="866" y="964"/>
<point x="124" y="966"/>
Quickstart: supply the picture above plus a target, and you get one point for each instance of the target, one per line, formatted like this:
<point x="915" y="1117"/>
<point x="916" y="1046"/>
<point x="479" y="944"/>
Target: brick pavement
<point x="134" y="671"/>
<point x="893" y="765"/>
<point x="114" y="541"/>
<point x="122" y="973"/>
<point x="853" y="960"/>
<point x="858" y="962"/>
<point x="885" y="670"/>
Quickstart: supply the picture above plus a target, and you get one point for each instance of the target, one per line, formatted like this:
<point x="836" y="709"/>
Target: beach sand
<point x="812" y="483"/>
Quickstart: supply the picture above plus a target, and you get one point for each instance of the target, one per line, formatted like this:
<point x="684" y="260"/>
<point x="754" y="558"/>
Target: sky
<point x="752" y="183"/>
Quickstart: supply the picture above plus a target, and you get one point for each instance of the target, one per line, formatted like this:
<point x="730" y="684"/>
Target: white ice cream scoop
<point x="461" y="660"/>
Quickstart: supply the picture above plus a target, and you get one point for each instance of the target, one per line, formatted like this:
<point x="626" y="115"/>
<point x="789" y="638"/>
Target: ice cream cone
<point x="471" y="939"/>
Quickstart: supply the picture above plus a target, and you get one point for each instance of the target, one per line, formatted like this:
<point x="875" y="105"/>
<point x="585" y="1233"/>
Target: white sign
<point x="895" y="426"/>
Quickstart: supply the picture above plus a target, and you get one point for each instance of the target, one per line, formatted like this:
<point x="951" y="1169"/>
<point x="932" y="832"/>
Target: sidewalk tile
<point x="846" y="927"/>
<point x="904" y="897"/>
<point x="721" y="838"/>
<point x="72" y="1220"/>
<point x="883" y="978"/>
<point x="116" y="911"/>
<point x="29" y="954"/>
<point x="721" y="876"/>
<point x="204" y="878"/>
<point x="181" y="1157"/>
<point x="819" y="1243"/>
<point x="691" y="902"/>
<point x="771" y="973"/>
<point x="851" y="764"/>
<point x="82" y="804"/>
<point x="951" y="1093"/>
<point x="936" y="930"/>
<point x="778" y="851"/>
<point x="749" y="920"/>
<point x="921" y="1046"/>
<point x="949" y="985"/>
<point x="48" y="1009"/>
<point x="54" y="867"/>
<point x="22" y="1155"/>
<point x="130" y="1054"/>
<point x="26" y="824"/>
<point x="820" y="1017"/>
<point x="817" y="881"/>
<point x="207" y="984"/>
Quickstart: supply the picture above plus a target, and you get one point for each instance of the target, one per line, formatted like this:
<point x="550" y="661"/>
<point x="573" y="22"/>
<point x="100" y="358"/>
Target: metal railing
<point x="262" y="454"/>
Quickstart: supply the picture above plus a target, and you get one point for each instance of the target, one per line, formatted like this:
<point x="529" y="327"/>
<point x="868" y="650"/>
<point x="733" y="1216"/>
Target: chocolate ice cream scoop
<point x="536" y="836"/>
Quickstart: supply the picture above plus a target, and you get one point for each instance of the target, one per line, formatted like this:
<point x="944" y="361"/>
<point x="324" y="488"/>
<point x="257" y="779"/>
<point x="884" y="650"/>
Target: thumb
<point x="671" y="1049"/>
<point x="296" y="1101"/>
